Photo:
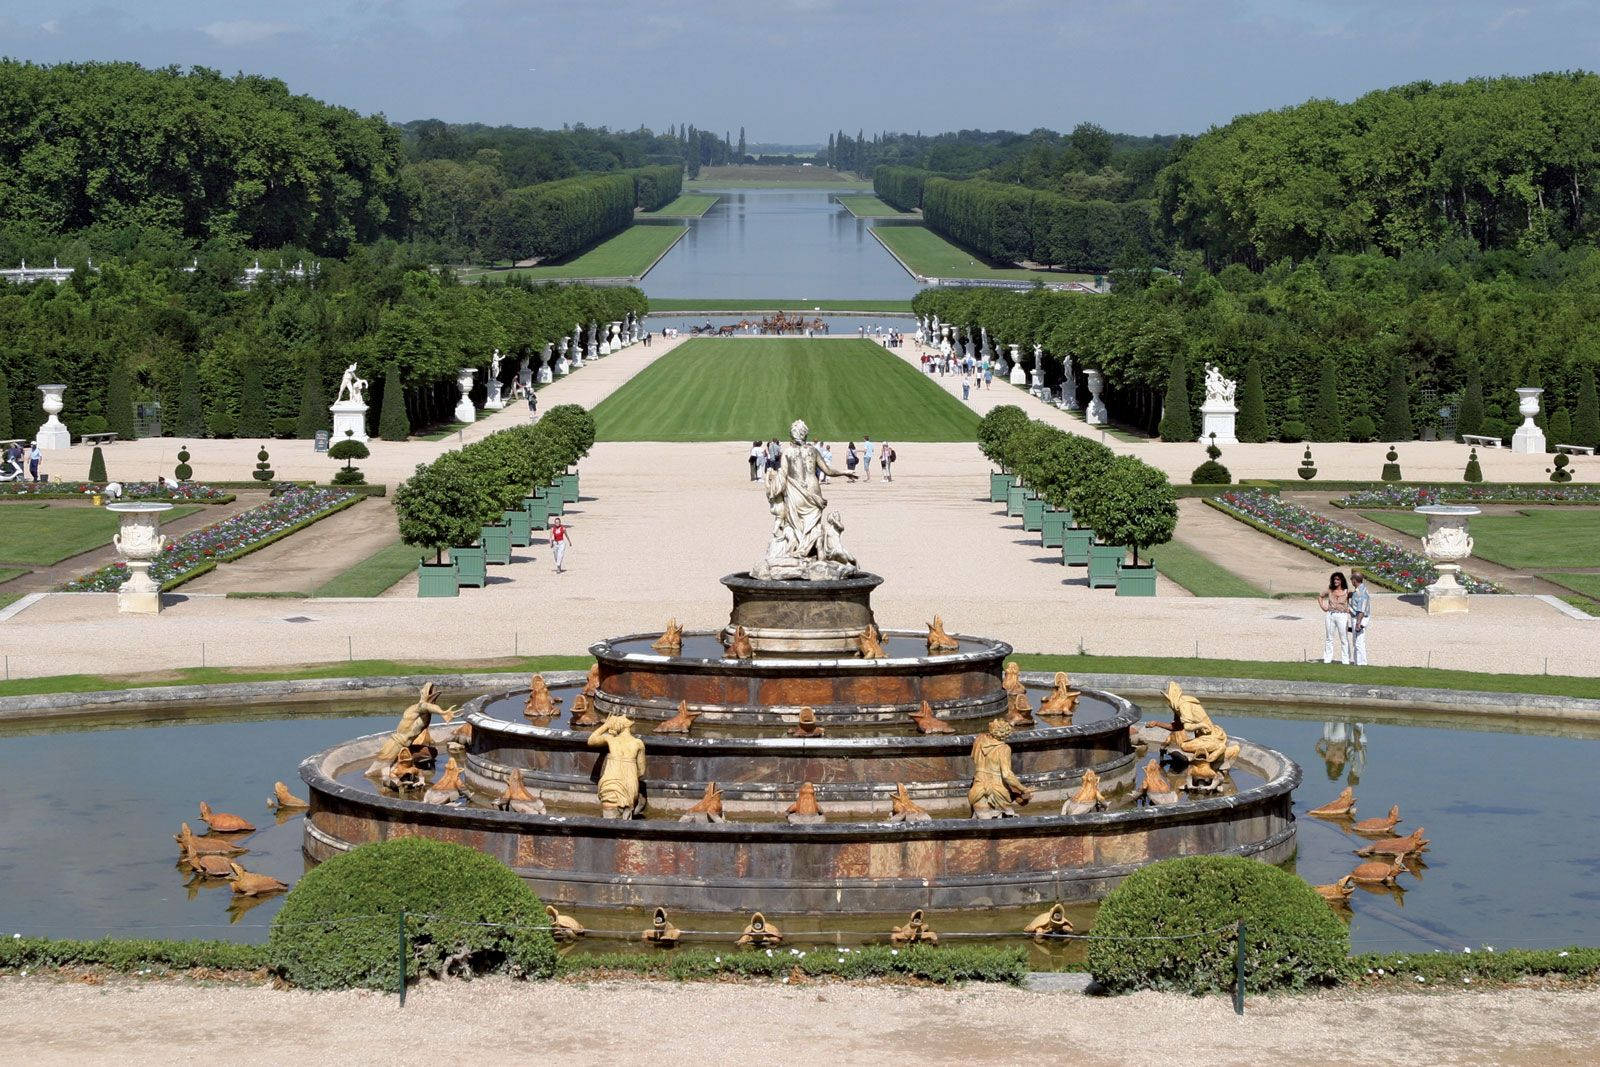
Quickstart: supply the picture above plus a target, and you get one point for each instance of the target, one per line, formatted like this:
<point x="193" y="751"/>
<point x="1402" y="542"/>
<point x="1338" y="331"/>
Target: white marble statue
<point x="1219" y="390"/>
<point x="351" y="388"/>
<point x="807" y="541"/>
<point x="494" y="364"/>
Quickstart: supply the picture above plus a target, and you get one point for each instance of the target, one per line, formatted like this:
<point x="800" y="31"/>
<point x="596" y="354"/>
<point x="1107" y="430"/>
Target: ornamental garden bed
<point x="195" y="554"/>
<point x="1411" y="496"/>
<point x="1383" y="562"/>
<point x="185" y="492"/>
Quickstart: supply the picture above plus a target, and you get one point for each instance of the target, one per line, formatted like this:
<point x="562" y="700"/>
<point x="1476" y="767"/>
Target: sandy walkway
<point x="666" y="1023"/>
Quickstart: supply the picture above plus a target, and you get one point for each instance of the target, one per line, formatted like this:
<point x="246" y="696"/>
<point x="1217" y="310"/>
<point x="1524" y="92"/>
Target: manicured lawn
<point x="696" y="303"/>
<point x="1200" y="575"/>
<point x="688" y="205"/>
<point x="870" y="207"/>
<point x="44" y="536"/>
<point x="374" y="575"/>
<point x="8" y="573"/>
<point x="743" y="389"/>
<point x="1587" y="584"/>
<point x="1554" y="537"/>
<point x="627" y="255"/>
<point x="933" y="257"/>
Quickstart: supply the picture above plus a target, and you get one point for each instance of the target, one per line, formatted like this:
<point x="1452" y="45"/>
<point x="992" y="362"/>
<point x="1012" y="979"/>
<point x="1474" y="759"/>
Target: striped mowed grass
<point x="745" y="389"/>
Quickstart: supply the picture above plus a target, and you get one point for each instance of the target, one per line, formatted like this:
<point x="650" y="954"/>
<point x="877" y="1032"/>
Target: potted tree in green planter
<point x="1049" y="466"/>
<point x="1085" y="460"/>
<point x="438" y="508"/>
<point x="993" y="430"/>
<point x="1020" y="451"/>
<point x="579" y="428"/>
<point x="1133" y="506"/>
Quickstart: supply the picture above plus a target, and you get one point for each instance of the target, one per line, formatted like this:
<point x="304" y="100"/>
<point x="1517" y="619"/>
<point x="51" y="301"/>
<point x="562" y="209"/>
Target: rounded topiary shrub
<point x="1292" y="938"/>
<point x="1361" y="428"/>
<point x="340" y="925"/>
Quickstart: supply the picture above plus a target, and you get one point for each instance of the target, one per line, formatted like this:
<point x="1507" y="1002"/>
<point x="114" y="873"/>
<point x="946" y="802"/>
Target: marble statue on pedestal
<point x="1069" y="385"/>
<point x="1218" y="412"/>
<point x="349" y="407"/>
<point x="985" y="350"/>
<point x="807" y="541"/>
<point x="575" y="353"/>
<point x="593" y="349"/>
<point x="545" y="376"/>
<point x="493" y="401"/>
<point x="1036" y="380"/>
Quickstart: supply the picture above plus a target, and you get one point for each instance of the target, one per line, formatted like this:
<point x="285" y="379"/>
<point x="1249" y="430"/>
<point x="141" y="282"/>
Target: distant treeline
<point x="559" y="218"/>
<point x="1013" y="225"/>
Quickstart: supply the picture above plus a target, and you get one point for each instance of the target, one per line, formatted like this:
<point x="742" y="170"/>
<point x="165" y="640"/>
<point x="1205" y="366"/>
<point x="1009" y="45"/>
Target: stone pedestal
<point x="349" y="420"/>
<point x="494" y="401"/>
<point x="1529" y="438"/>
<point x="465" y="412"/>
<point x="1447" y="543"/>
<point x="802" y="618"/>
<point x="140" y="541"/>
<point x="1018" y="375"/>
<point x="53" y="434"/>
<point x="1217" y="417"/>
<point x="545" y="374"/>
<point x="563" y="365"/>
<point x="1095" y="415"/>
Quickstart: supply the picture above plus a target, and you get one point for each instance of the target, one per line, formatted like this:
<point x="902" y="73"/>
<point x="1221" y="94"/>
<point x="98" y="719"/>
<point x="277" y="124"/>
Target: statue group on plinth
<point x="807" y="541"/>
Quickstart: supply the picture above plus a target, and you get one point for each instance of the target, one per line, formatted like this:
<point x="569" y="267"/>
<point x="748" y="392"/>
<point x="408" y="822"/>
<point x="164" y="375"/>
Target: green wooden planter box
<point x="1075" y="542"/>
<point x="1016" y="496"/>
<point x="521" y="528"/>
<point x="1053" y="530"/>
<point x="569" y="487"/>
<point x="999" y="482"/>
<point x="538" y="517"/>
<point x="437" y="579"/>
<point x="470" y="569"/>
<point x="496" y="543"/>
<point x="1136" y="581"/>
<point x="1033" y="514"/>
<point x="1104" y="562"/>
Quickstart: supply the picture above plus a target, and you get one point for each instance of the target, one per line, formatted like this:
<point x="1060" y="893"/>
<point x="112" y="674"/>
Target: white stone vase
<point x="1446" y="544"/>
<point x="1095" y="415"/>
<point x="53" y="434"/>
<point x="139" y="540"/>
<point x="465" y="412"/>
<point x="1529" y="439"/>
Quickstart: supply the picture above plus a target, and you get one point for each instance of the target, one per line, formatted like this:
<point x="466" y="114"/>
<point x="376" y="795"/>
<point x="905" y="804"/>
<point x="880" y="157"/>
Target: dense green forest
<point x="1431" y="327"/>
<point x="1015" y="225"/>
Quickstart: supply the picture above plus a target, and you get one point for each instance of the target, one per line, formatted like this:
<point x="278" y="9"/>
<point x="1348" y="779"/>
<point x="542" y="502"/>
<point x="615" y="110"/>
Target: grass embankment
<point x="1199" y="575"/>
<point x="713" y="304"/>
<point x="360" y="668"/>
<point x="870" y="207"/>
<point x="1557" y="537"/>
<point x="374" y="575"/>
<point x="627" y="255"/>
<point x="44" y="536"/>
<point x="743" y="389"/>
<point x="687" y="206"/>
<point x="931" y="256"/>
<point x="1561" y="685"/>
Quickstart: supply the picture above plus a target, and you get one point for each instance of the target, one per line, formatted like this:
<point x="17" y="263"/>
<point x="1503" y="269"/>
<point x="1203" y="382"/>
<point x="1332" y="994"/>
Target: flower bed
<point x="185" y="492"/>
<point x="1411" y="496"/>
<point x="1383" y="562"/>
<point x="194" y="554"/>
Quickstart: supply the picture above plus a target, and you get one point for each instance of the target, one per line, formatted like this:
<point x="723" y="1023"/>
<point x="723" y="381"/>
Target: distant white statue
<point x="1219" y="389"/>
<point x="494" y="364"/>
<point x="351" y="388"/>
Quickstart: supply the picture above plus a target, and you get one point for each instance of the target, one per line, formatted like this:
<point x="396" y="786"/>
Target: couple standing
<point x="1347" y="614"/>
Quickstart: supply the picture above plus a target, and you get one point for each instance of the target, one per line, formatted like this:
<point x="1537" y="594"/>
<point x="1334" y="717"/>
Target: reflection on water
<point x="793" y="243"/>
<point x="89" y="816"/>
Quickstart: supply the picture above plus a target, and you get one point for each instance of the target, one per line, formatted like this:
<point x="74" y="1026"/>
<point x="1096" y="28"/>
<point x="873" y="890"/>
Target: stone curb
<point x="1242" y="690"/>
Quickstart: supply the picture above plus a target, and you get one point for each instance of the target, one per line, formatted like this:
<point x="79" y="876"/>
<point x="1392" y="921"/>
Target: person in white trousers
<point x="1360" y="616"/>
<point x="1335" y="604"/>
<point x="560" y="541"/>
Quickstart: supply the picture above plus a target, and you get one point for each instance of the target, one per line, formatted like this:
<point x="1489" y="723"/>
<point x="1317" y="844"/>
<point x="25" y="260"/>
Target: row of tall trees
<point x="1437" y="339"/>
<point x="1013" y="224"/>
<point x="560" y="218"/>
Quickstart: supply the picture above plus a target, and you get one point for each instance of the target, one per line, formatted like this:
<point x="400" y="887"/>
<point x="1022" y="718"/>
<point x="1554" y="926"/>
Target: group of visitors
<point x="1347" y="615"/>
<point x="974" y="372"/>
<point x="15" y="458"/>
<point x="768" y="457"/>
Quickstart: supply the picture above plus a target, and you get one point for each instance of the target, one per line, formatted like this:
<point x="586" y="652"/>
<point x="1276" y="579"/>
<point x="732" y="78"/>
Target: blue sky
<point x="792" y="70"/>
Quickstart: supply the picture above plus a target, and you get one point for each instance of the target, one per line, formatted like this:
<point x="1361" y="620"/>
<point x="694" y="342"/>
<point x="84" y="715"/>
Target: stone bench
<point x="1575" y="450"/>
<point x="1481" y="440"/>
<point x="97" y="438"/>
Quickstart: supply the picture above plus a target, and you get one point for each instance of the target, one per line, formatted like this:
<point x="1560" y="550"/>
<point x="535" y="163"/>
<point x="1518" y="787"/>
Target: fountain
<point x="808" y="779"/>
<point x="140" y="540"/>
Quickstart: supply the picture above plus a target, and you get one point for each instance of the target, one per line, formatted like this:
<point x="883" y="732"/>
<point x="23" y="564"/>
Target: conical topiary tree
<point x="1586" y="419"/>
<point x="1391" y="466"/>
<point x="97" y="466"/>
<point x="1469" y="420"/>
<point x="1397" y="424"/>
<point x="1560" y="431"/>
<point x="1252" y="427"/>
<point x="1474" y="473"/>
<point x="313" y="412"/>
<point x="5" y="405"/>
<point x="183" y="472"/>
<point x="254" y="418"/>
<point x="191" y="407"/>
<point x="119" y="401"/>
<point x="393" y="425"/>
<point x="1307" y="468"/>
<point x="263" y="471"/>
<point x="1177" y="423"/>
<point x="1327" y="423"/>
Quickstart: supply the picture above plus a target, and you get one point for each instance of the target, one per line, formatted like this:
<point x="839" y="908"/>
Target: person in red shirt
<point x="560" y="539"/>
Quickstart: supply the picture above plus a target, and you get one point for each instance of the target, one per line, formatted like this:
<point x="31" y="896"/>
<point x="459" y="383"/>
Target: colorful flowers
<point x="229" y="539"/>
<point x="130" y="490"/>
<point x="1384" y="562"/>
<point x="1411" y="496"/>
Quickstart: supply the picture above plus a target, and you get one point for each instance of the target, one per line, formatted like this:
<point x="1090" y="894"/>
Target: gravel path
<point x="659" y="1023"/>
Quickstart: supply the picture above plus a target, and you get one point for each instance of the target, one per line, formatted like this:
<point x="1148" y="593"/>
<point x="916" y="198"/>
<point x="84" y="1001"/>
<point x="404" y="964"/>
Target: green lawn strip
<point x="1295" y="671"/>
<point x="712" y="304"/>
<point x="1582" y="603"/>
<point x="1587" y="584"/>
<point x="930" y="255"/>
<point x="8" y="573"/>
<point x="361" y="668"/>
<point x="1569" y="537"/>
<point x="374" y="575"/>
<point x="743" y="389"/>
<point x="8" y="599"/>
<point x="870" y="207"/>
<point x="775" y="183"/>
<point x="1199" y="575"/>
<point x="689" y="205"/>
<point x="627" y="255"/>
<point x="46" y="536"/>
<point x="446" y="431"/>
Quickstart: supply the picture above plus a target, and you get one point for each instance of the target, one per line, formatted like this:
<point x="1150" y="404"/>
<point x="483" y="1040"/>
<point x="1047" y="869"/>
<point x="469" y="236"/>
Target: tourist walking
<point x="35" y="457"/>
<point x="988" y="374"/>
<point x="1335" y="603"/>
<point x="756" y="454"/>
<point x="774" y="455"/>
<point x="560" y="540"/>
<point x="888" y="462"/>
<point x="966" y="388"/>
<point x="1360" y="616"/>
<point x="533" y="404"/>
<point x="851" y="458"/>
<point x="827" y="462"/>
<point x="866" y="457"/>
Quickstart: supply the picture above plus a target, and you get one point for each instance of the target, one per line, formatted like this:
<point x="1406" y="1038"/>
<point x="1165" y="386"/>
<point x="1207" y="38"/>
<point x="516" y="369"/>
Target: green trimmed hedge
<point x="942" y="964"/>
<point x="122" y="954"/>
<point x="1487" y="965"/>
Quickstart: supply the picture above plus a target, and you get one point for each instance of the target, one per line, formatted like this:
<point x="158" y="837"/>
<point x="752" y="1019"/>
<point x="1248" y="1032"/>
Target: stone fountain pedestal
<point x="140" y="541"/>
<point x="1447" y="543"/>
<point x="349" y="420"/>
<point x="802" y="618"/>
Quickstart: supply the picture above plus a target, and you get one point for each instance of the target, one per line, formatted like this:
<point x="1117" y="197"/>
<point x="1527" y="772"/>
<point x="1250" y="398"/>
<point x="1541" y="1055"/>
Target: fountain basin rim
<point x="602" y="650"/>
<point x="139" y="507"/>
<point x="856" y="582"/>
<point x="1448" y="510"/>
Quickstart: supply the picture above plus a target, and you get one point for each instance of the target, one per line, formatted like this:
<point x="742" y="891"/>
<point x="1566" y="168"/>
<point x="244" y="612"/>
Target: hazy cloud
<point x="244" y="31"/>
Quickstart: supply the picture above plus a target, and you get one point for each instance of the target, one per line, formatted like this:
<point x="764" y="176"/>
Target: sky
<point x="790" y="71"/>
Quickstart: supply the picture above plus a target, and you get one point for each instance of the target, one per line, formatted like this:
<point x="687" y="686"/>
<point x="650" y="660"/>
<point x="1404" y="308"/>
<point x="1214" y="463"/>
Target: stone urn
<point x="545" y="375"/>
<point x="465" y="412"/>
<point x="1446" y="544"/>
<point x="1019" y="376"/>
<point x="1095" y="415"/>
<point x="1528" y="438"/>
<point x="563" y="364"/>
<point x="53" y="434"/>
<point x="139" y="540"/>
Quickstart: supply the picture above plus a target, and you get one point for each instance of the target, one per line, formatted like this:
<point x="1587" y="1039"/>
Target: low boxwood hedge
<point x="942" y="964"/>
<point x="468" y="913"/>
<point x="1170" y="926"/>
<point x="1479" y="965"/>
<point x="130" y="954"/>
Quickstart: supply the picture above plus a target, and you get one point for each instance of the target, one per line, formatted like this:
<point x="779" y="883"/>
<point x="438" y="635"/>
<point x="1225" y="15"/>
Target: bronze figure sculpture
<point x="995" y="789"/>
<point x="621" y="779"/>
